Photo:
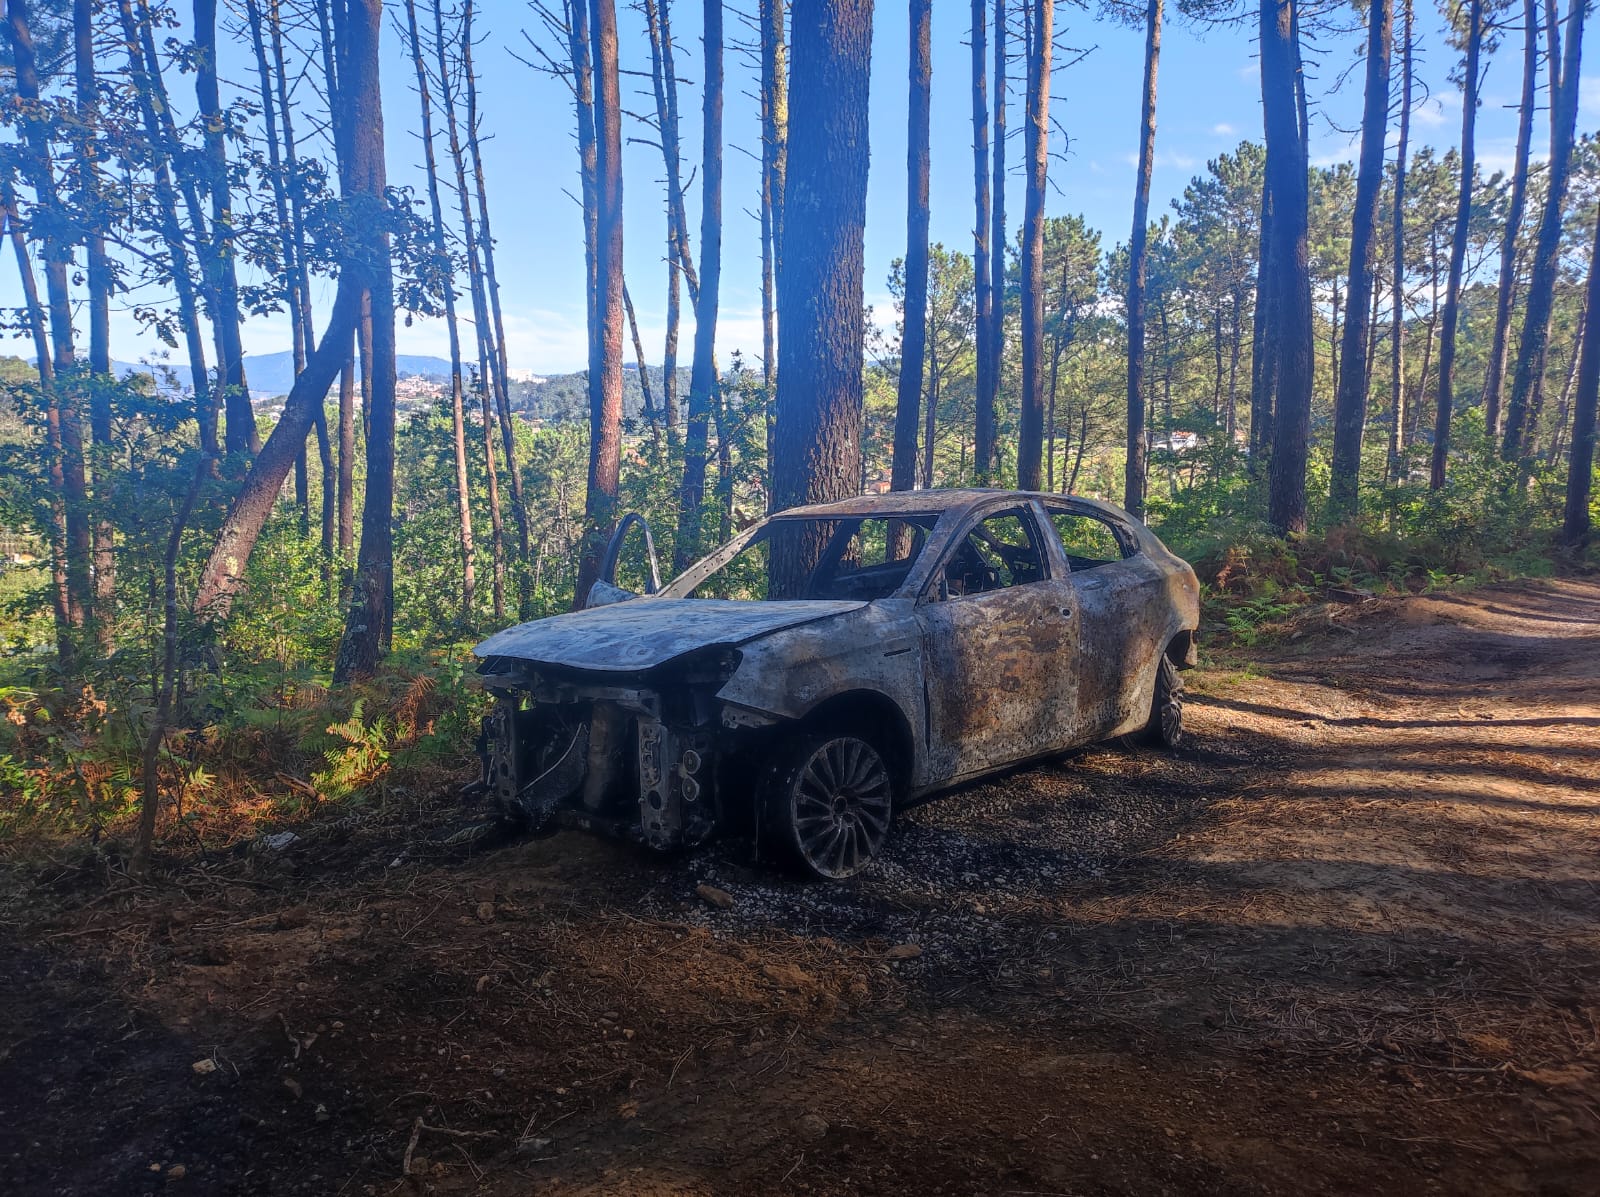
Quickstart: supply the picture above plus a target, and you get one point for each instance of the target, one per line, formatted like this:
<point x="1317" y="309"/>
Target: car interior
<point x="999" y="552"/>
<point x="1089" y="542"/>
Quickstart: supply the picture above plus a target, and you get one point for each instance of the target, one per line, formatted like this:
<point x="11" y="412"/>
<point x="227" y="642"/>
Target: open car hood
<point x="643" y="633"/>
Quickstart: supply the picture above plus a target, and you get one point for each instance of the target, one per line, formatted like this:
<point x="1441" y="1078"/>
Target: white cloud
<point x="1224" y="129"/>
<point x="1439" y="110"/>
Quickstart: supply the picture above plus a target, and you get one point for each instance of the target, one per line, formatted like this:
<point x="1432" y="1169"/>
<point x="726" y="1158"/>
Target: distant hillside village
<point x="423" y="380"/>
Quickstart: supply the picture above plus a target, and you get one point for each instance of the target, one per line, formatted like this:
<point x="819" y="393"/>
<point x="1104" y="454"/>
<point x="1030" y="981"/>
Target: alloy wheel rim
<point x="843" y="801"/>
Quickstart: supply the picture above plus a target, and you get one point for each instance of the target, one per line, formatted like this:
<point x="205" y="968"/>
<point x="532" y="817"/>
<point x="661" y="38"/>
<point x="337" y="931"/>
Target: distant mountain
<point x="272" y="374"/>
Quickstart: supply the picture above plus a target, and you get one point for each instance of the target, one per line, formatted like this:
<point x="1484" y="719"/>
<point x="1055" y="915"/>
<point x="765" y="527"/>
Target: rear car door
<point x="997" y="641"/>
<point x="1117" y="590"/>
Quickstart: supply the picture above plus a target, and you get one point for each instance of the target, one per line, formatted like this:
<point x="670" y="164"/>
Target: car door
<point x="1116" y="645"/>
<point x="997" y="630"/>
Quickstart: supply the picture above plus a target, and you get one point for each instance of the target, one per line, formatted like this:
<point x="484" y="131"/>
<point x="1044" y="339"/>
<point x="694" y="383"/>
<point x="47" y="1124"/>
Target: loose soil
<point x="1345" y="942"/>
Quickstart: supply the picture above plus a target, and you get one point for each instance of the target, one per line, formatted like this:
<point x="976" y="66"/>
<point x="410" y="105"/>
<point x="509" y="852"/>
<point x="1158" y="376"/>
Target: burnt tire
<point x="1164" y="729"/>
<point x="826" y="804"/>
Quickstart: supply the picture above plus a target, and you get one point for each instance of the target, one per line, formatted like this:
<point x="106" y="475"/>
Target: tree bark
<point x="703" y="375"/>
<point x="663" y="73"/>
<point x="500" y="366"/>
<point x="1495" y="372"/>
<point x="1537" y="304"/>
<point x="1289" y="319"/>
<point x="986" y="450"/>
<point x="1030" y="431"/>
<point x="365" y="267"/>
<point x="39" y="170"/>
<point x="241" y="433"/>
<point x="1133" y="483"/>
<point x="1397" y="296"/>
<point x="445" y="268"/>
<point x="155" y="113"/>
<point x="1350" y="404"/>
<point x="983" y="283"/>
<point x="1458" y="251"/>
<point x="605" y="362"/>
<point x="1575" y="529"/>
<point x="369" y="622"/>
<point x="914" y="326"/>
<point x="774" y="158"/>
<point x="60" y="602"/>
<point x="150" y="772"/>
<point x="100" y="282"/>
<point x="820" y="308"/>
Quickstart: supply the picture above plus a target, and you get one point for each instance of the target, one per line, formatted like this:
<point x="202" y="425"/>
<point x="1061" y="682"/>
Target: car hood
<point x="643" y="633"/>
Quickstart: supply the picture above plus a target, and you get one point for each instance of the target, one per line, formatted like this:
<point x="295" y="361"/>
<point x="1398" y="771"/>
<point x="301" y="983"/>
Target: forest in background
<point x="1373" y="373"/>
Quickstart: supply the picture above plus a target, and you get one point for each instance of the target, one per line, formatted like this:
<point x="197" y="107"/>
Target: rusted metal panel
<point x="640" y="634"/>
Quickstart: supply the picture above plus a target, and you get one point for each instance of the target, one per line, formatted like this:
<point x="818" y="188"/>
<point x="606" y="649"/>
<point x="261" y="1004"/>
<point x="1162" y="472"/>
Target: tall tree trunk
<point x="347" y="445"/>
<point x="986" y="451"/>
<point x="242" y="436"/>
<point x="1350" y="403"/>
<point x="445" y="269"/>
<point x="490" y="377"/>
<point x="359" y="128"/>
<point x="1397" y="297"/>
<point x="703" y="384"/>
<point x="489" y="286"/>
<point x="60" y="600"/>
<point x="1458" y="251"/>
<point x="578" y="43"/>
<point x="369" y="622"/>
<point x="1290" y="315"/>
<point x="605" y="358"/>
<point x="1030" y="431"/>
<point x="1564" y="408"/>
<point x="914" y="336"/>
<point x="1580" y="472"/>
<point x="290" y="245"/>
<point x="39" y="170"/>
<point x="1133" y="483"/>
<point x="774" y="158"/>
<point x="1495" y="373"/>
<point x="983" y="282"/>
<point x="156" y="734"/>
<point x="817" y="435"/>
<point x="100" y="281"/>
<point x="156" y="115"/>
<point x="659" y="25"/>
<point x="1564" y="87"/>
<point x="1263" y="372"/>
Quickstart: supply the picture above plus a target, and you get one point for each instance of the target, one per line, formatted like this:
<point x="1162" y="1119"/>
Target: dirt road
<point x="1347" y="942"/>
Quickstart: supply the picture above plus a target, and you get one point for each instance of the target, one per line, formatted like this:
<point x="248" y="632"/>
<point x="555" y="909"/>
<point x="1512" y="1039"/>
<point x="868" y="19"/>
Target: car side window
<point x="1088" y="540"/>
<point x="999" y="552"/>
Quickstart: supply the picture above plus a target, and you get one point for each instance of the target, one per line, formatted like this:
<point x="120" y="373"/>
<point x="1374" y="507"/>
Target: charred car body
<point x="940" y="635"/>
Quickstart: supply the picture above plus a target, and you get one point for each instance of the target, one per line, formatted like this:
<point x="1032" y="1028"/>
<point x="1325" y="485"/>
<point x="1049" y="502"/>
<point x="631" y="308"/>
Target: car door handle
<point x="1092" y="584"/>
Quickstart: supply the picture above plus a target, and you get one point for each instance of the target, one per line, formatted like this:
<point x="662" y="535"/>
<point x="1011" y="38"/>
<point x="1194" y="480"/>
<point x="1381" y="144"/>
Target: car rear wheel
<point x="1165" y="727"/>
<point x="827" y="804"/>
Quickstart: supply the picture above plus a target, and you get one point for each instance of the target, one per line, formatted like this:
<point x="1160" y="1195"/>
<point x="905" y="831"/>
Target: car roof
<point x="939" y="500"/>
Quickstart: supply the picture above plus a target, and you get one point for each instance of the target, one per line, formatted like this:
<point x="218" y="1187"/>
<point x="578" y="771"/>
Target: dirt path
<point x="1349" y="942"/>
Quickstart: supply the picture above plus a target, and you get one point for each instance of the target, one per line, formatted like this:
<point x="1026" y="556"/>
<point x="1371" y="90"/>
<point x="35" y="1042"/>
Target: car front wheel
<point x="827" y="804"/>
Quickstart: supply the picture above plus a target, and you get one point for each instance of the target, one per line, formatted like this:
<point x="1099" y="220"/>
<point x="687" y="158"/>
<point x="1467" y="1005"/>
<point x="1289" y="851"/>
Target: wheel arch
<point x="877" y="717"/>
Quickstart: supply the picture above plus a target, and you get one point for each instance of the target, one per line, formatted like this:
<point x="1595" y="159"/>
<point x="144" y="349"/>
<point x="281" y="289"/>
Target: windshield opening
<point x="862" y="558"/>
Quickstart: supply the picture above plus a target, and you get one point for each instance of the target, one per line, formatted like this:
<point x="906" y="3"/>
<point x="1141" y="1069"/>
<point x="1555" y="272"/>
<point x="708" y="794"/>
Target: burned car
<point x="934" y="636"/>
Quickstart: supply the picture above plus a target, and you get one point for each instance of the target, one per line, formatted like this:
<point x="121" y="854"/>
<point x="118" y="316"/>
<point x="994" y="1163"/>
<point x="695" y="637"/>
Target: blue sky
<point x="1209" y="101"/>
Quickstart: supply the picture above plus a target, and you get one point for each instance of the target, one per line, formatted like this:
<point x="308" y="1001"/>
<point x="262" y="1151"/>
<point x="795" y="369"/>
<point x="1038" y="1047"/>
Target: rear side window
<point x="1088" y="540"/>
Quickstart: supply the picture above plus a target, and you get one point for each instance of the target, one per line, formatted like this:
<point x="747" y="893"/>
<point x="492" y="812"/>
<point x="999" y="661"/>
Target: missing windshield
<point x="861" y="559"/>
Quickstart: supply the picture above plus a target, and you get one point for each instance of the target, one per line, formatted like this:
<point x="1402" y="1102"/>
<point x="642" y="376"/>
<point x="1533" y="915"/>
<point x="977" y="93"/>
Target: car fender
<point x="789" y="674"/>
